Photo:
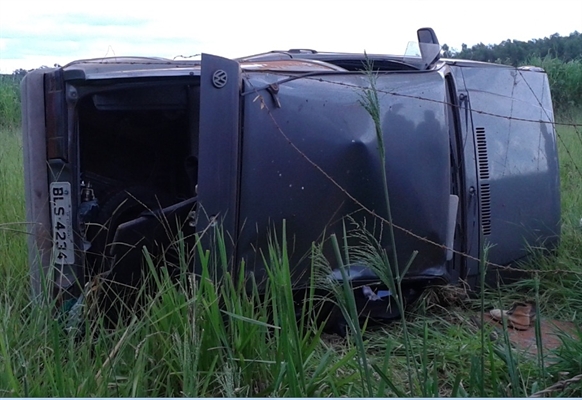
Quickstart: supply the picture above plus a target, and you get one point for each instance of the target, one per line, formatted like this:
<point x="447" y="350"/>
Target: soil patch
<point x="526" y="340"/>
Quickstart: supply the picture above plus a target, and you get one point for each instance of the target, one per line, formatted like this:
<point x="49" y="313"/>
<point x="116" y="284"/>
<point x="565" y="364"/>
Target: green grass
<point x="562" y="292"/>
<point x="203" y="338"/>
<point x="9" y="101"/>
<point x="565" y="80"/>
<point x="12" y="228"/>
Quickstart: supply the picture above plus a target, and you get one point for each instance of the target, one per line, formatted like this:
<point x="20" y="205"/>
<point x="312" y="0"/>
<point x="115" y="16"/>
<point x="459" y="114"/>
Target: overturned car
<point x="127" y="153"/>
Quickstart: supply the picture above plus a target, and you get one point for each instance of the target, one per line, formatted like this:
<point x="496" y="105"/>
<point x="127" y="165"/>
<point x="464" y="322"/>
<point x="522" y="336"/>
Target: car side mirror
<point x="429" y="46"/>
<point x="427" y="35"/>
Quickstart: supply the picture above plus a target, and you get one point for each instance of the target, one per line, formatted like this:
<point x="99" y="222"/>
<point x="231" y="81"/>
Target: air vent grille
<point x="485" y="194"/>
<point x="482" y="153"/>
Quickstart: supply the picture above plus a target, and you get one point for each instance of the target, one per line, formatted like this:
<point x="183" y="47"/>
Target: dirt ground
<point x="526" y="340"/>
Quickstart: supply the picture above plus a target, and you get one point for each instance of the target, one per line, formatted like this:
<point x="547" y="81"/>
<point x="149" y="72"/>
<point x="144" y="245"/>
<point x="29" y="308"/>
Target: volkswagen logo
<point x="219" y="78"/>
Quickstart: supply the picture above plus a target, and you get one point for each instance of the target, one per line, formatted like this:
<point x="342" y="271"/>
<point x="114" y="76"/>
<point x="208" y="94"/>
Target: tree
<point x="516" y="52"/>
<point x="447" y="53"/>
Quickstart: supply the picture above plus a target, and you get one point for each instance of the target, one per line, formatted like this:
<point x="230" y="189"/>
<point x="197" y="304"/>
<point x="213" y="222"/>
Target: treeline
<point x="559" y="56"/>
<point x="516" y="52"/>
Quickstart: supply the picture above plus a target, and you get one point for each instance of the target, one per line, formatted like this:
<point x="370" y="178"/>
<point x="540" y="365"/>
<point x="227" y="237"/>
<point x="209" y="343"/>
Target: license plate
<point x="62" y="219"/>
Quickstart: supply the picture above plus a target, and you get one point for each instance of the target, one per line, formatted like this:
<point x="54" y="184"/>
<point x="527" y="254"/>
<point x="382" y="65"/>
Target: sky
<point x="49" y="32"/>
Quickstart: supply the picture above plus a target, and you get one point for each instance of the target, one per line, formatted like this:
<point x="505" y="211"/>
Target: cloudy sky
<point x="51" y="32"/>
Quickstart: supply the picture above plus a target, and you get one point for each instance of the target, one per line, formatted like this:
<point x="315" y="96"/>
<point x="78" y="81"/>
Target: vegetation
<point x="9" y="101"/>
<point x="208" y="338"/>
<point x="515" y="52"/>
<point x="565" y="81"/>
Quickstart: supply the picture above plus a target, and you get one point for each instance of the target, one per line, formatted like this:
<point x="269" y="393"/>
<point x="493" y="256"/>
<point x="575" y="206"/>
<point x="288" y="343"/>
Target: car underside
<point x="125" y="155"/>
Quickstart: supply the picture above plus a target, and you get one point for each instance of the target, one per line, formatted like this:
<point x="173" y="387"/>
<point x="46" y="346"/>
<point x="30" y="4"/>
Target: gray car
<point x="122" y="153"/>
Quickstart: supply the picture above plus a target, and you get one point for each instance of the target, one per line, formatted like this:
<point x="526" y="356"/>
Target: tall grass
<point x="562" y="294"/>
<point x="9" y="101"/>
<point x="12" y="228"/>
<point x="202" y="337"/>
<point x="198" y="337"/>
<point x="565" y="81"/>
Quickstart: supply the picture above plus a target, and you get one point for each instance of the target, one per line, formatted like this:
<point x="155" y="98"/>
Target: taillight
<point x="55" y="116"/>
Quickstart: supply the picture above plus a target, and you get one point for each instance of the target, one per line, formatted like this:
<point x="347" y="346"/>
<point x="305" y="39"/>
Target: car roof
<point x="288" y="61"/>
